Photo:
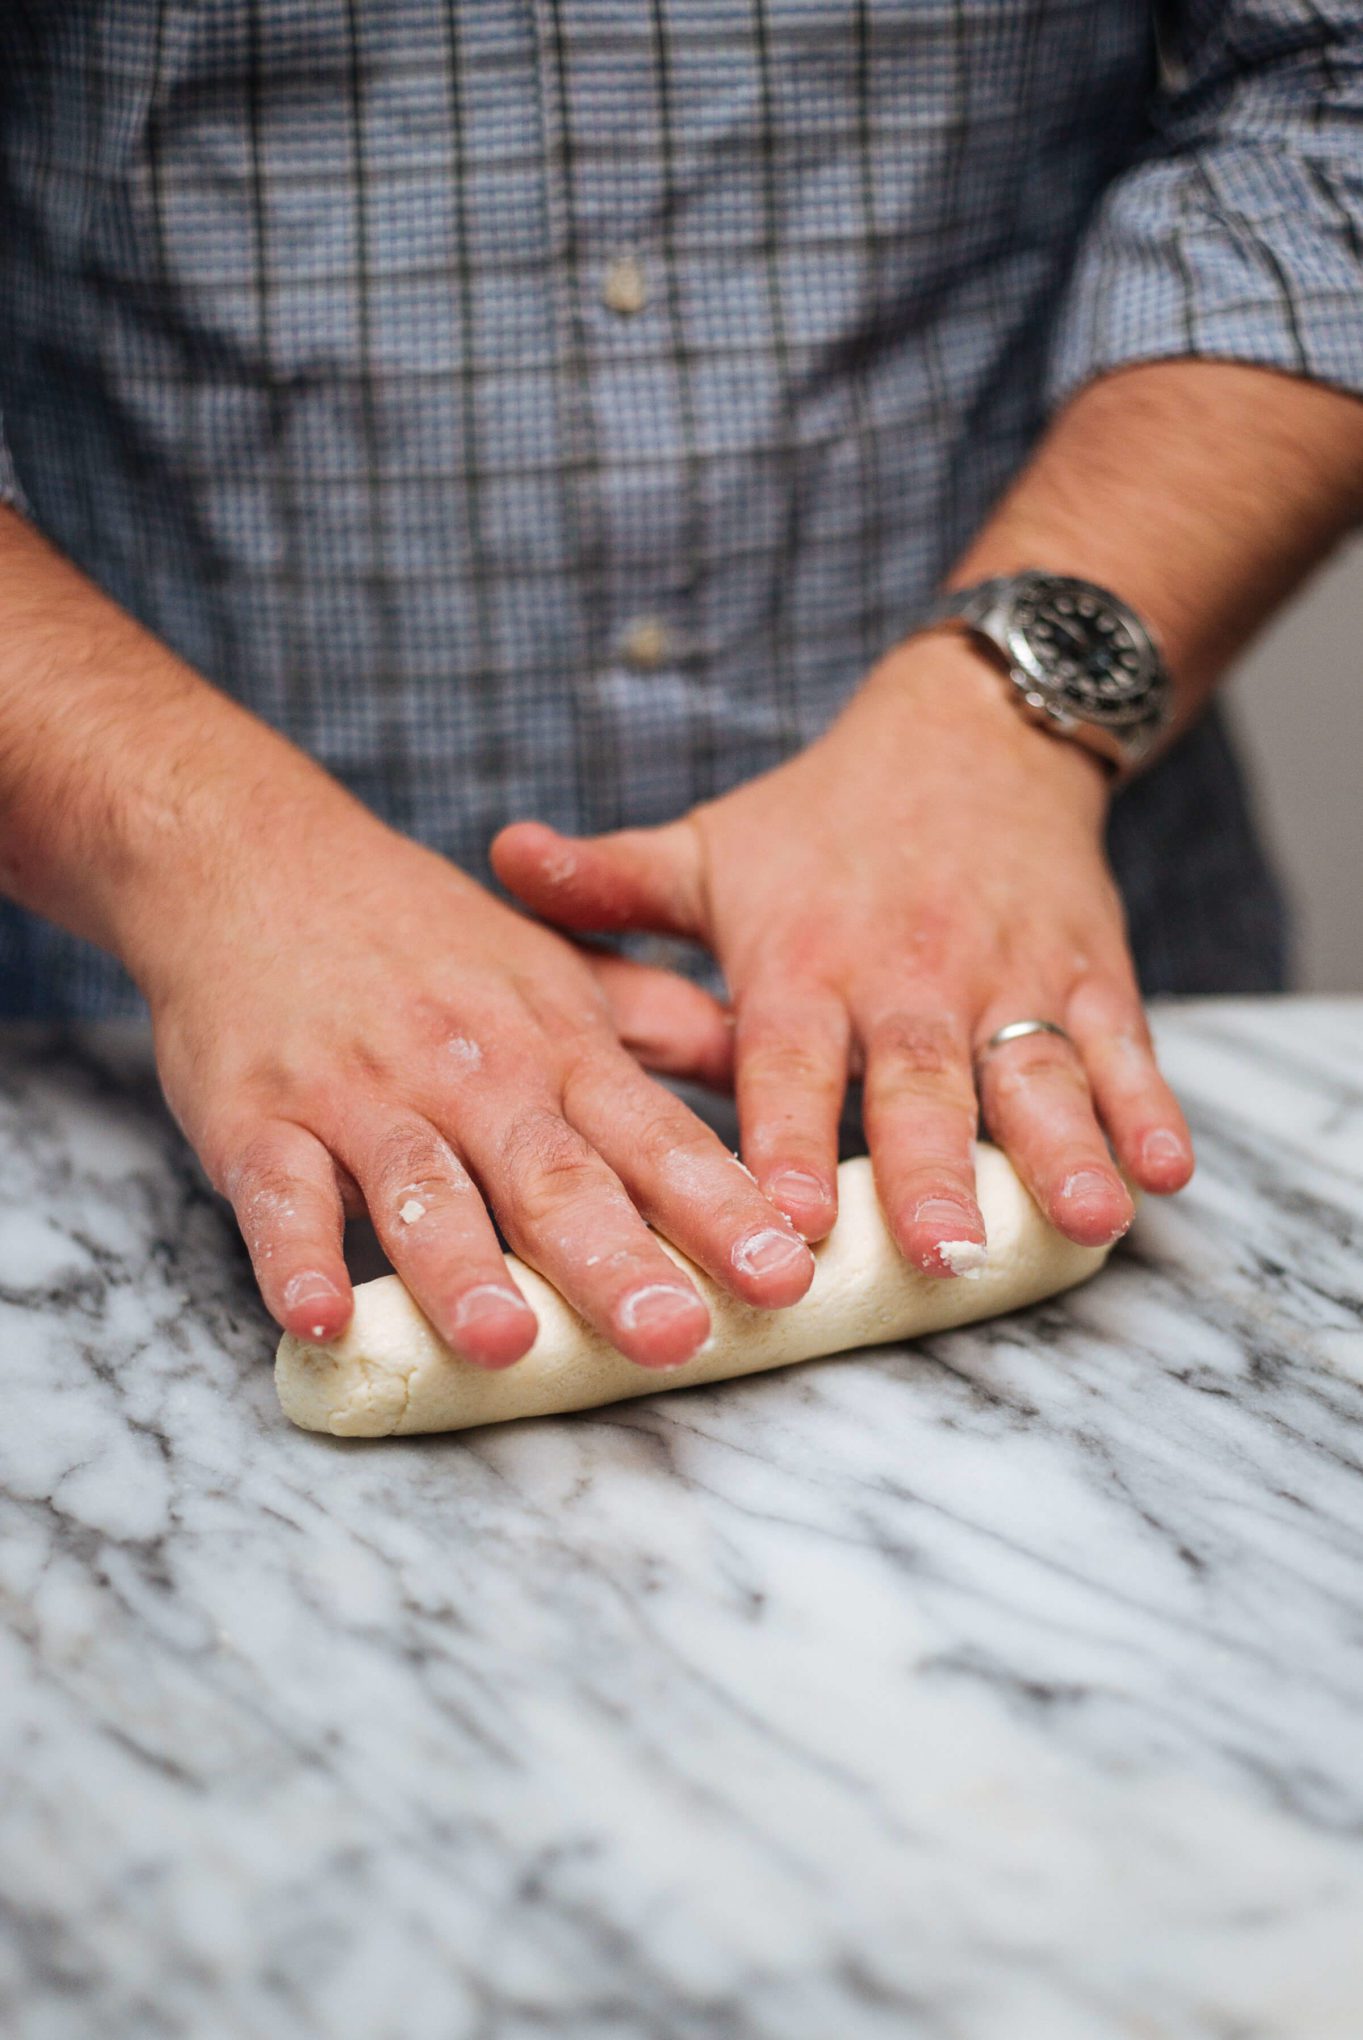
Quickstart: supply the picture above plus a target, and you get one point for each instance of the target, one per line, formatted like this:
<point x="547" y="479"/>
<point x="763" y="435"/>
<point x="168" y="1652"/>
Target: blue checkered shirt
<point x="551" y="407"/>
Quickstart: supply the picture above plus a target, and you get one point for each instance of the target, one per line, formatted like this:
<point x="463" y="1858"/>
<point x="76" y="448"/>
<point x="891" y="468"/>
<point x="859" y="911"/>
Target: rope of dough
<point x="389" y="1373"/>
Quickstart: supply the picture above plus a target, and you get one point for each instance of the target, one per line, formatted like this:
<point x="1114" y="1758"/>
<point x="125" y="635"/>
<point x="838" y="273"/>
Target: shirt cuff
<point x="1233" y="252"/>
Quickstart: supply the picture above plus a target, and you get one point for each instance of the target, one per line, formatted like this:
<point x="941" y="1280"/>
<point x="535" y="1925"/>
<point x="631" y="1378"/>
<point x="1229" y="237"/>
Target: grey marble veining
<point x="1005" y="1688"/>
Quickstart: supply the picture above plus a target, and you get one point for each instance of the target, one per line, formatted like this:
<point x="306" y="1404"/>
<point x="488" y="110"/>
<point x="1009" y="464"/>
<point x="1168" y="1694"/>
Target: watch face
<point x="1087" y="649"/>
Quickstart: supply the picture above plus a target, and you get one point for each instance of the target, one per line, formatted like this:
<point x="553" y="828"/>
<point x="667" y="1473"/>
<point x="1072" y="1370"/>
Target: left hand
<point x="927" y="871"/>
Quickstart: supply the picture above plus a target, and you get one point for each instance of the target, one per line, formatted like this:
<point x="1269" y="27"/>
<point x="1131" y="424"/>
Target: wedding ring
<point x="1017" y="1030"/>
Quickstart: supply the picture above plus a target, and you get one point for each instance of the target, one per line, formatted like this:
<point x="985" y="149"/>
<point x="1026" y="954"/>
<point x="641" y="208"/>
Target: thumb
<point x="634" y="878"/>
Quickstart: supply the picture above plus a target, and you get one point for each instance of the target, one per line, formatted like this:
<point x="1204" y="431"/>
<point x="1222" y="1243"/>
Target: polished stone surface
<point x="1005" y="1688"/>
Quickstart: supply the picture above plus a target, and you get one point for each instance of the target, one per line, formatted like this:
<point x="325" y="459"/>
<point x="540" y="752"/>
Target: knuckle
<point x="662" y="1142"/>
<point x="925" y="1044"/>
<point x="799" y="956"/>
<point x="931" y="936"/>
<point x="404" y="1155"/>
<point x="919" y="1056"/>
<point x="785" y="1060"/>
<point x="547" y="1163"/>
<point x="322" y="1099"/>
<point x="1109" y="1001"/>
<point x="455" y="1047"/>
<point x="592" y="1074"/>
<point x="269" y="1202"/>
<point x="574" y="1015"/>
<point x="244" y="1167"/>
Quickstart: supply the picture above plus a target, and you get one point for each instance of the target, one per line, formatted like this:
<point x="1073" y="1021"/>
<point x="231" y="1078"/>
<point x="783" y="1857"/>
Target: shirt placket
<point x="625" y="500"/>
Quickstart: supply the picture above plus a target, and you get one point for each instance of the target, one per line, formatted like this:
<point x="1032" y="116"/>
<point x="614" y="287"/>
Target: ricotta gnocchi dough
<point x="389" y="1374"/>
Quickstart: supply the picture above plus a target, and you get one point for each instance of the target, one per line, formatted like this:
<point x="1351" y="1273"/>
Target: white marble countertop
<point x="1005" y="1688"/>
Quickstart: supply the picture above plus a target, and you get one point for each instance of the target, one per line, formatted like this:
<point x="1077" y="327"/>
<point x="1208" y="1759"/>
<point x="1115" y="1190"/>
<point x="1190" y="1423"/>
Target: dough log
<point x="390" y="1374"/>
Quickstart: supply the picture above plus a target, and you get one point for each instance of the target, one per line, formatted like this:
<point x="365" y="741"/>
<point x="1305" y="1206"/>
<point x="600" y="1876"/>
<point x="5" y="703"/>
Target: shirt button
<point x="624" y="287"/>
<point x="646" y="644"/>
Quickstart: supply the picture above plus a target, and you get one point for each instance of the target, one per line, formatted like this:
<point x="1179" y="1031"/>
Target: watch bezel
<point x="1045" y="689"/>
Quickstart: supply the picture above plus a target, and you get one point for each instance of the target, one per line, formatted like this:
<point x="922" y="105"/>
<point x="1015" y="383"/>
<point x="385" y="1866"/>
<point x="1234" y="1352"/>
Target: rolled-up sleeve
<point x="1236" y="233"/>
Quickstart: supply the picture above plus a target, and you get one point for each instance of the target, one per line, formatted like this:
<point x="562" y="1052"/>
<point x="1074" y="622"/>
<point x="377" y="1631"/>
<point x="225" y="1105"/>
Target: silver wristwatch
<point x="1080" y="661"/>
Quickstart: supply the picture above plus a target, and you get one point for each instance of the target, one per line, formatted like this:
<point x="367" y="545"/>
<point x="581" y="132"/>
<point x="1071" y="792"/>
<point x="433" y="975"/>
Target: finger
<point x="685" y="1181"/>
<point x="1037" y="1104"/>
<point x="790" y="1078"/>
<point x="920" y="1114"/>
<point x="667" y="1023"/>
<point x="283" y="1189"/>
<point x="435" y="1229"/>
<point x="635" y="878"/>
<point x="1141" y="1114"/>
<point x="567" y="1213"/>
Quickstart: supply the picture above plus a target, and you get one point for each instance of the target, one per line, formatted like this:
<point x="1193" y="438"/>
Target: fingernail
<point x="946" y="1213"/>
<point x="656" y="1306"/>
<point x="1162" y="1146"/>
<point x="768" y="1252"/>
<point x="309" y="1287"/>
<point x="800" y="1185"/>
<point x="957" y="1254"/>
<point x="1086" y="1185"/>
<point x="485" y="1300"/>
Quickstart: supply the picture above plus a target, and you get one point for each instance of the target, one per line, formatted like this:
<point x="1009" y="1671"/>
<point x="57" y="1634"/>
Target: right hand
<point x="343" y="1019"/>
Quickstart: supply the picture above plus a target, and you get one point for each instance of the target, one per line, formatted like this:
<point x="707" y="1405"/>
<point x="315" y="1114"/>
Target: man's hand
<point x="339" y="1011"/>
<point x="929" y="871"/>
<point x="933" y="868"/>
<point x="342" y="1017"/>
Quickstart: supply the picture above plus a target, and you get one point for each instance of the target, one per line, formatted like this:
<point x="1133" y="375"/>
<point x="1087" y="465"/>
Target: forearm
<point x="119" y="765"/>
<point x="1200" y="492"/>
